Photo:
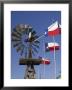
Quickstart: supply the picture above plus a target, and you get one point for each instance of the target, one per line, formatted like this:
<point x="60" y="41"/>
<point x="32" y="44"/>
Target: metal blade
<point x="36" y="42"/>
<point x="22" y="51"/>
<point x="17" y="44"/>
<point x="37" y="46"/>
<point x="14" y="38"/>
<point x="34" y="49"/>
<point x="19" y="48"/>
<point x="15" y="34"/>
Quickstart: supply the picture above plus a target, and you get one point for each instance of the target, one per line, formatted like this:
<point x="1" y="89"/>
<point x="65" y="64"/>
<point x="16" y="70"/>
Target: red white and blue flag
<point x="54" y="29"/>
<point x="44" y="60"/>
<point x="50" y="46"/>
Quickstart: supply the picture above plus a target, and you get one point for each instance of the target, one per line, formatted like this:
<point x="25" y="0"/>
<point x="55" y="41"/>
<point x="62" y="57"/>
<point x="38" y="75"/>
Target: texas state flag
<point x="44" y="60"/>
<point x="54" y="29"/>
<point x="50" y="46"/>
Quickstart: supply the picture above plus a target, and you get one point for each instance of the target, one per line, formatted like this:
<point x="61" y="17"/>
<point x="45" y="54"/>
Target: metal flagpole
<point x="54" y="58"/>
<point x="44" y="57"/>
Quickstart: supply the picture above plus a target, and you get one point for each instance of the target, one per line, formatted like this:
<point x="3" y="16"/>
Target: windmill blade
<point x="17" y="44"/>
<point x="24" y="31"/>
<point x="22" y="51"/>
<point x="19" y="29"/>
<point x="35" y="49"/>
<point x="37" y="42"/>
<point x="16" y="31"/>
<point x="37" y="46"/>
<point x="19" y="32"/>
<point x="19" y="48"/>
<point x="14" y="38"/>
<point x="15" y="34"/>
<point x="35" y="37"/>
<point x="33" y="52"/>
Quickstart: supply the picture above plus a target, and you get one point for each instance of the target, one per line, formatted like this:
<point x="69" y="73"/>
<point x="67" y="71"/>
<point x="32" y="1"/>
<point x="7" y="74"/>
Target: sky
<point x="40" y="21"/>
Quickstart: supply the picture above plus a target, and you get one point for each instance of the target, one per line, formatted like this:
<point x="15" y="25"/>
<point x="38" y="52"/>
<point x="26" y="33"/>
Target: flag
<point x="44" y="60"/>
<point x="54" y="29"/>
<point x="50" y="46"/>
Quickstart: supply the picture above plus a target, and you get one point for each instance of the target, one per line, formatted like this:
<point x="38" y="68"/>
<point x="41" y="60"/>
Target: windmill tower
<point x="27" y="46"/>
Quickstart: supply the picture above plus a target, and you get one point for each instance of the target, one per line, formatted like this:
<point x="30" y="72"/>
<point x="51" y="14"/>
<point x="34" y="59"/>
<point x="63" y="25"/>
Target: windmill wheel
<point x="22" y="36"/>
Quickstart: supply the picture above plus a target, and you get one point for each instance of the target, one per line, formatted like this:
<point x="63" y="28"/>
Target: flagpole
<point x="54" y="59"/>
<point x="44" y="57"/>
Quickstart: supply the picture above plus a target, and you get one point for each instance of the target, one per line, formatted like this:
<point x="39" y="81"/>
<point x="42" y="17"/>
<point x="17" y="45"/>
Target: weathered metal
<point x="29" y="61"/>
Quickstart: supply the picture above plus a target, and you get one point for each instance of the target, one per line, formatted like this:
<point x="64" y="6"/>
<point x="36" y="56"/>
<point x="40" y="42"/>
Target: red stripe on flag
<point x="45" y="62"/>
<point x="52" y="48"/>
<point x="54" y="32"/>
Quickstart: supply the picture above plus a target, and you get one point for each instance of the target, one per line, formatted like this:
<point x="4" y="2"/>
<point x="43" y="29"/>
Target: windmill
<point x="24" y="40"/>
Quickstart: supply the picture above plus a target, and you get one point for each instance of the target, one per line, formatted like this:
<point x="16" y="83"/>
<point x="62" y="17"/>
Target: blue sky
<point x="39" y="20"/>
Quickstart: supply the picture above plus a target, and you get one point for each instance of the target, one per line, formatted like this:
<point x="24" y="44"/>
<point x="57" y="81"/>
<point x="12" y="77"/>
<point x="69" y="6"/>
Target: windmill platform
<point x="24" y="61"/>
